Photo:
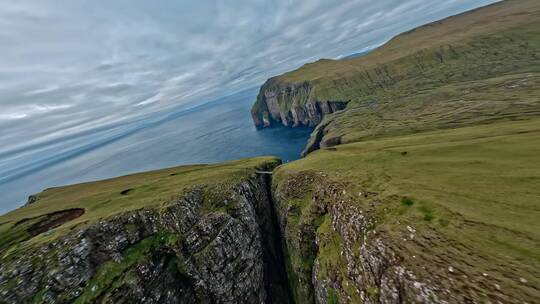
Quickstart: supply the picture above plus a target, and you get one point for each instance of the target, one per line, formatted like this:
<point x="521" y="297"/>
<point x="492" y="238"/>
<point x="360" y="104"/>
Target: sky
<point x="69" y="68"/>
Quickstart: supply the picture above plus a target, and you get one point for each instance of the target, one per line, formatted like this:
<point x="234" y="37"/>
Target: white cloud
<point x="43" y="90"/>
<point x="30" y="110"/>
<point x="79" y="65"/>
<point x="12" y="116"/>
<point x="150" y="100"/>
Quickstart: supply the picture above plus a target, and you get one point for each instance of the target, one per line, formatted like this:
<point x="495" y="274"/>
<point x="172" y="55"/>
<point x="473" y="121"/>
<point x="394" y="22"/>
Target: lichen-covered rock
<point x="177" y="253"/>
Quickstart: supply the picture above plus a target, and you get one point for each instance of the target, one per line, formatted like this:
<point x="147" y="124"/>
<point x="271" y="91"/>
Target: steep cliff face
<point x="291" y="105"/>
<point x="180" y="252"/>
<point x="334" y="254"/>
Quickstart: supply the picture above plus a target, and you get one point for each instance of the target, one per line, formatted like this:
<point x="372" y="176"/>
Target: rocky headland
<point x="291" y="105"/>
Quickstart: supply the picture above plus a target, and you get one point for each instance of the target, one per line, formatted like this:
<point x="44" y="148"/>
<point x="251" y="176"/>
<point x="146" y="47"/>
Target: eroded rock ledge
<point x="291" y="105"/>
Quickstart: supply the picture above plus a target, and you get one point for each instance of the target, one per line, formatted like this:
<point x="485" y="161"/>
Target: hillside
<point x="424" y="185"/>
<point x="446" y="216"/>
<point x="473" y="68"/>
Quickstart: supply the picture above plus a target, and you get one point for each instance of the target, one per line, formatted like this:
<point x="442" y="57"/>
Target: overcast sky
<point x="69" y="66"/>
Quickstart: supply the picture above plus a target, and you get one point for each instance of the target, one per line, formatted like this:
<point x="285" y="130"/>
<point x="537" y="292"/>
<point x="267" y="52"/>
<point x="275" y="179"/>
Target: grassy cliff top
<point x="469" y="195"/>
<point x="105" y="198"/>
<point x="490" y="19"/>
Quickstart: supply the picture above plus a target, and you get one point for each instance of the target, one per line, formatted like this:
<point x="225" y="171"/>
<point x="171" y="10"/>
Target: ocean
<point x="212" y="132"/>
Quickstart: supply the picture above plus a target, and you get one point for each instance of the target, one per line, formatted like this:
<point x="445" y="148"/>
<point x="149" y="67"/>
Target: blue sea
<point x="216" y="131"/>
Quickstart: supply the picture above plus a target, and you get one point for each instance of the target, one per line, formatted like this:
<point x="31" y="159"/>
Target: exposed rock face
<point x="375" y="270"/>
<point x="179" y="253"/>
<point x="291" y="105"/>
<point x="370" y="269"/>
<point x="32" y="199"/>
<point x="317" y="140"/>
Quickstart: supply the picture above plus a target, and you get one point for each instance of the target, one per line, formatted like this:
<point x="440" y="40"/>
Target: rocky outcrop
<point x="32" y="199"/>
<point x="291" y="105"/>
<point x="374" y="270"/>
<point x="335" y="254"/>
<point x="319" y="139"/>
<point x="178" y="253"/>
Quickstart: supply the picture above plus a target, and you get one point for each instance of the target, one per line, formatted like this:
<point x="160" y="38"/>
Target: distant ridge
<point x="356" y="55"/>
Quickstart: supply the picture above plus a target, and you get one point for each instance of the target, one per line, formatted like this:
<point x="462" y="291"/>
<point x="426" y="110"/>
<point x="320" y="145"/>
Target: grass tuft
<point x="332" y="296"/>
<point x="407" y="201"/>
<point x="427" y="212"/>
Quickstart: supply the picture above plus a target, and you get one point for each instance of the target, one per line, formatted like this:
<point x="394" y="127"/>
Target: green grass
<point x="427" y="213"/>
<point x="329" y="249"/>
<point x="112" y="272"/>
<point x="106" y="198"/>
<point x="495" y="18"/>
<point x="470" y="191"/>
<point x="407" y="201"/>
<point x="475" y="192"/>
<point x="332" y="297"/>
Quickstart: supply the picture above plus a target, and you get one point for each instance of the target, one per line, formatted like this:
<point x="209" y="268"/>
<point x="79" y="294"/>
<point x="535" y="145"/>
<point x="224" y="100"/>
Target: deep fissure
<point x="277" y="283"/>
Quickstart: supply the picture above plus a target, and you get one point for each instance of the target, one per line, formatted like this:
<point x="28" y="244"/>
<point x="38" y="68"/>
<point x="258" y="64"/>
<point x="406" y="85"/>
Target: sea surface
<point x="216" y="131"/>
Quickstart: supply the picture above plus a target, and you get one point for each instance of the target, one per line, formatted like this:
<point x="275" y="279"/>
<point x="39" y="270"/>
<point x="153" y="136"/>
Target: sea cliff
<point x="291" y="105"/>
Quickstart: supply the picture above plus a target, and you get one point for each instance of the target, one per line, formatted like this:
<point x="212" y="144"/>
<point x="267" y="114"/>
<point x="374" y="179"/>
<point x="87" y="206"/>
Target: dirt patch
<point x="55" y="219"/>
<point x="298" y="184"/>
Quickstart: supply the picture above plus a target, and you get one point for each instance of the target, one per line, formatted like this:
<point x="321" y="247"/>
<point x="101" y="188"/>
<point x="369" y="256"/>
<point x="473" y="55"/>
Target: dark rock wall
<point x="177" y="254"/>
<point x="291" y="105"/>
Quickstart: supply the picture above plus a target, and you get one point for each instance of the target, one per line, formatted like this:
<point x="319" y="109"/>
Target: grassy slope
<point x="462" y="97"/>
<point x="475" y="202"/>
<point x="486" y="42"/>
<point x="103" y="199"/>
<point x="473" y="68"/>
<point x="456" y="29"/>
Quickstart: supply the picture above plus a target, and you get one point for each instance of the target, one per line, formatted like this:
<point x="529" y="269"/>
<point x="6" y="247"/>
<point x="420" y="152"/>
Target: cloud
<point x="68" y="67"/>
<point x="24" y="111"/>
<point x="43" y="90"/>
